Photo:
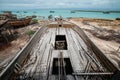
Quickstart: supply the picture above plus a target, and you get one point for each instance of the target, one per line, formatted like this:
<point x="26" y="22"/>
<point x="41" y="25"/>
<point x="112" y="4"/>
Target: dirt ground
<point x="8" y="51"/>
<point x="105" y="34"/>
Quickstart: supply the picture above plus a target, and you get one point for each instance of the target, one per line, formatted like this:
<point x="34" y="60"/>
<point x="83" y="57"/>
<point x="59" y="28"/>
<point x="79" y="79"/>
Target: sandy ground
<point x="109" y="47"/>
<point x="7" y="52"/>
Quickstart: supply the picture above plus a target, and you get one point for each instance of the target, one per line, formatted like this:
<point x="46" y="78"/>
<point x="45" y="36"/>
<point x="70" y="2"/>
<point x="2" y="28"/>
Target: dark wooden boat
<point x="25" y="11"/>
<point x="106" y="12"/>
<point x="19" y="22"/>
<point x="72" y="11"/>
<point x="52" y="11"/>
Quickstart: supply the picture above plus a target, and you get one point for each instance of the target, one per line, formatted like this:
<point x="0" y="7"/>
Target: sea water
<point x="64" y="13"/>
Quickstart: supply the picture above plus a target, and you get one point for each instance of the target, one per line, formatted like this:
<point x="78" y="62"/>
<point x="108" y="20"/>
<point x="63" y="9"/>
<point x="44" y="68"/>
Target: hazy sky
<point x="82" y="4"/>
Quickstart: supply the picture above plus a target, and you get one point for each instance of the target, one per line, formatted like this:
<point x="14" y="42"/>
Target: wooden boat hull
<point x="66" y="48"/>
<point x="19" y="23"/>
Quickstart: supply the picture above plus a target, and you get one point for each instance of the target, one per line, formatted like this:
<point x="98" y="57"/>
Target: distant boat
<point x="34" y="16"/>
<point x="25" y="11"/>
<point x="34" y="12"/>
<point x="17" y="12"/>
<point x="72" y="11"/>
<point x="117" y="18"/>
<point x="106" y="12"/>
<point x="52" y="11"/>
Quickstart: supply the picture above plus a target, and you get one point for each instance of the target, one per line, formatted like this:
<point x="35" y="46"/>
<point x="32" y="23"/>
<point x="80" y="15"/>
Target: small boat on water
<point x="52" y="11"/>
<point x="106" y="12"/>
<point x="18" y="12"/>
<point x="72" y="11"/>
<point x="34" y="12"/>
<point x="25" y="11"/>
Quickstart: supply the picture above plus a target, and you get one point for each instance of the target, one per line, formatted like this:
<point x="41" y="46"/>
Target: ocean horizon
<point x="65" y="13"/>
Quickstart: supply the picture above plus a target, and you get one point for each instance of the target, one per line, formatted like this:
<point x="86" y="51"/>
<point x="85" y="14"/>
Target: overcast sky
<point x="81" y="4"/>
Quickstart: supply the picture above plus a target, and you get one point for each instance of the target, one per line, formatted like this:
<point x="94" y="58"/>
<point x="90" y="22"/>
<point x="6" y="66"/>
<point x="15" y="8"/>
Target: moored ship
<point x="52" y="11"/>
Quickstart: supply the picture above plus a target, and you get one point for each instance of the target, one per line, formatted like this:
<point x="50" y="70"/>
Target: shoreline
<point x="96" y="11"/>
<point x="66" y="13"/>
<point x="91" y="18"/>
